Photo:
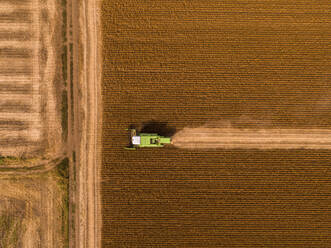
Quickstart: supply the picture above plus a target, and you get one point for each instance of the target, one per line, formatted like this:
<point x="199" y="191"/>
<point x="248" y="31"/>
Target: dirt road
<point x="230" y="138"/>
<point x="87" y="119"/>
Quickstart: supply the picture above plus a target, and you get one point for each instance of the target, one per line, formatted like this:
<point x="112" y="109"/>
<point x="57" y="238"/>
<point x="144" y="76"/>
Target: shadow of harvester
<point x="160" y="128"/>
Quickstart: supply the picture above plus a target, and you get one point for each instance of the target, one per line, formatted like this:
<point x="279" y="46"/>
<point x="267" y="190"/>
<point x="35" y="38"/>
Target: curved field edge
<point x="34" y="208"/>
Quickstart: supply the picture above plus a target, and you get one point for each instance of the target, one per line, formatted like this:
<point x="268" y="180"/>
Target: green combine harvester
<point x="146" y="140"/>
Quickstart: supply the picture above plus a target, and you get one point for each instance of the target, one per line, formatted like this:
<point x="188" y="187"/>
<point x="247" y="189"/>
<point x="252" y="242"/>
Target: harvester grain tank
<point x="141" y="140"/>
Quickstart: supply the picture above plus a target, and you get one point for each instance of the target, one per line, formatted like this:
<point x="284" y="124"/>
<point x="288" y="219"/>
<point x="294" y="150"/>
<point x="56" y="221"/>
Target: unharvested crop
<point x="186" y="63"/>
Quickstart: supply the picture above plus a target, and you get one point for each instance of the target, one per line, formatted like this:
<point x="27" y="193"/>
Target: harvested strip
<point x="26" y="98"/>
<point x="232" y="138"/>
<point x="8" y="142"/>
<point x="31" y="118"/>
<point x="15" y="107"/>
<point x="31" y="135"/>
<point x="20" y="16"/>
<point x="16" y="78"/>
<point x="16" y="1"/>
<point x="11" y="52"/>
<point x="16" y="27"/>
<point x="16" y="70"/>
<point x="13" y="125"/>
<point x="35" y="117"/>
<point x="29" y="151"/>
<point x="15" y="35"/>
<point x="16" y="88"/>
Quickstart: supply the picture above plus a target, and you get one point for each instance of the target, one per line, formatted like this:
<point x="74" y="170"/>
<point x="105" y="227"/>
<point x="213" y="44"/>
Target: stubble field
<point x="28" y="113"/>
<point x="33" y="210"/>
<point x="33" y="181"/>
<point x="190" y="63"/>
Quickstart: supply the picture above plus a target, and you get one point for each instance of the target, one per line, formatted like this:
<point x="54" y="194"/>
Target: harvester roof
<point x="136" y="140"/>
<point x="147" y="140"/>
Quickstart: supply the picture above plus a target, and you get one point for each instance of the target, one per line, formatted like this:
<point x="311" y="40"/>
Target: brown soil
<point x="186" y="63"/>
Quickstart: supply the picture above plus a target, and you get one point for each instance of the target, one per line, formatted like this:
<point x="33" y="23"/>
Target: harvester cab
<point x="146" y="140"/>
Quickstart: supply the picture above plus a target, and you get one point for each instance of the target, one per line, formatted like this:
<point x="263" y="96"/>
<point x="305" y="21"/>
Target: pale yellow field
<point x="27" y="69"/>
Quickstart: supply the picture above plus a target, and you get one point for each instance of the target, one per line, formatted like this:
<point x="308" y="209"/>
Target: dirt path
<point x="231" y="138"/>
<point x="87" y="119"/>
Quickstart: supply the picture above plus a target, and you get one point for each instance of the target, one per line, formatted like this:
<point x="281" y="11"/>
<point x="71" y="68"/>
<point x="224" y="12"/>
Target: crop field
<point x="170" y="65"/>
<point x="26" y="76"/>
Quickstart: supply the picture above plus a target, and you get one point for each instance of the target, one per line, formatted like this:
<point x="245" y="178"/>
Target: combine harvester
<point x="140" y="140"/>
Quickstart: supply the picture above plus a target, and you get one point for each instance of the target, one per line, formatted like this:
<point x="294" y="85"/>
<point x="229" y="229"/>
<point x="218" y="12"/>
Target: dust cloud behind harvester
<point x="236" y="138"/>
